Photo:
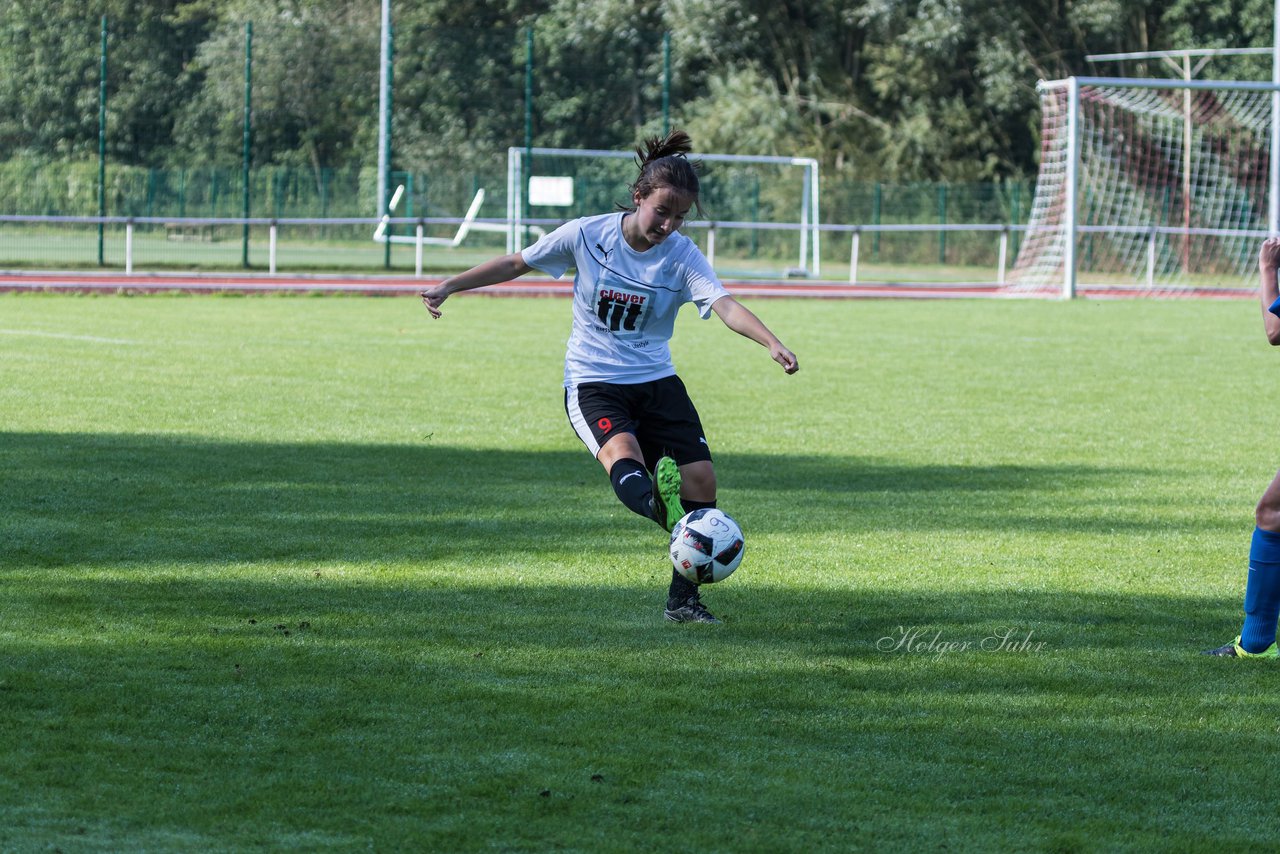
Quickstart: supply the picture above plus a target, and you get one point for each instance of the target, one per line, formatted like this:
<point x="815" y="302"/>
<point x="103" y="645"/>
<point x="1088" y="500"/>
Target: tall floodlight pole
<point x="248" y="139"/>
<point x="1273" y="209"/>
<point x="384" y="95"/>
<point x="101" y="147"/>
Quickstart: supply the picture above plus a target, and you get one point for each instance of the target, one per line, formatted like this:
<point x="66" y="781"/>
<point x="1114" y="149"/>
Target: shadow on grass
<point x="548" y="649"/>
<point x="95" y="498"/>
<point x="479" y="700"/>
<point x="185" y="689"/>
<point x="476" y="615"/>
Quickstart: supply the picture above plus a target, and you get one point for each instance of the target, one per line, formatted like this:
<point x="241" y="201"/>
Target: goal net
<point x="761" y="213"/>
<point x="1148" y="185"/>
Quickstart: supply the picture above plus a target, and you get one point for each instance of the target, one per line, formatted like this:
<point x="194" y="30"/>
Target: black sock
<point x="632" y="485"/>
<point x="682" y="588"/>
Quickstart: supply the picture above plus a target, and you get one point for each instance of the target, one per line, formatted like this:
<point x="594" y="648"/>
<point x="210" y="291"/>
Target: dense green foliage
<point x="322" y="574"/>
<point x="882" y="89"/>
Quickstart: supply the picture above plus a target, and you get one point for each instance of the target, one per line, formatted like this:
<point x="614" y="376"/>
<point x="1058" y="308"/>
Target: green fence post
<point x="102" y="142"/>
<point x="528" y="88"/>
<point x="875" y="220"/>
<point x="528" y="125"/>
<point x="942" y="220"/>
<point x="1015" y="217"/>
<point x="755" y="216"/>
<point x="666" y="84"/>
<point x="248" y="125"/>
<point x="391" y="65"/>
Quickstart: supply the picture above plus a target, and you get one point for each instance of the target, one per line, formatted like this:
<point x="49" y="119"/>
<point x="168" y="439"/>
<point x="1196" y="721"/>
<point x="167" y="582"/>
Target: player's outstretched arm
<point x="1268" y="263"/>
<point x="501" y="269"/>
<point x="741" y="320"/>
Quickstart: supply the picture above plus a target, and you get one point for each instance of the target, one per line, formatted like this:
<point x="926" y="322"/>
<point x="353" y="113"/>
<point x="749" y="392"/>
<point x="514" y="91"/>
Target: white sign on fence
<point x="545" y="190"/>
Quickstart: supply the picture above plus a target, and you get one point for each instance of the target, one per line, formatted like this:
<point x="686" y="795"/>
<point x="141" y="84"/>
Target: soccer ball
<point x="706" y="546"/>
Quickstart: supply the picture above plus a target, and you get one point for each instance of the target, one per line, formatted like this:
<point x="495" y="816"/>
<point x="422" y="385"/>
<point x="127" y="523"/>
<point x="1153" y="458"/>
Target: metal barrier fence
<point x="742" y="248"/>
<point x="358" y="245"/>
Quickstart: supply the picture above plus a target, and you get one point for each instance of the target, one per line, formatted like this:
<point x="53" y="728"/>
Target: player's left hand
<point x="433" y="297"/>
<point x="786" y="358"/>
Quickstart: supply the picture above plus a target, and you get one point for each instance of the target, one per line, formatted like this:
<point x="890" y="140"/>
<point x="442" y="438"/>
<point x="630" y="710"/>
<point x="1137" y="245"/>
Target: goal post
<point x="1150" y="185"/>
<point x="758" y="202"/>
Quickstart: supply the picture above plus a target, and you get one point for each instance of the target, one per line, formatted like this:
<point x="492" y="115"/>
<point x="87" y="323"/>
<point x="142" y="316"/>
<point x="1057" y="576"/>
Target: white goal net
<point x="1148" y="185"/>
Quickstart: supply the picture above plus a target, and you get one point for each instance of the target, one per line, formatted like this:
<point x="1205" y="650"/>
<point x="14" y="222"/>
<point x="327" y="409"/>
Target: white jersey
<point x="624" y="302"/>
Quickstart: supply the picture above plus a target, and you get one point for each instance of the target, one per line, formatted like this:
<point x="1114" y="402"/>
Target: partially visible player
<point x="634" y="270"/>
<point x="1257" y="638"/>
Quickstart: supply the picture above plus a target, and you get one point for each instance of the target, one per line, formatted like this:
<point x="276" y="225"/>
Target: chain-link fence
<point x="178" y="117"/>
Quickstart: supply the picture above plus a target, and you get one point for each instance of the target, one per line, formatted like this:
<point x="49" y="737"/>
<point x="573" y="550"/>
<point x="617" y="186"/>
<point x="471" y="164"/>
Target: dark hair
<point x="664" y="166"/>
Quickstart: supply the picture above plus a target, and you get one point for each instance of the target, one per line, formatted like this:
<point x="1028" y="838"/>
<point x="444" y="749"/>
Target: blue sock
<point x="1262" y="592"/>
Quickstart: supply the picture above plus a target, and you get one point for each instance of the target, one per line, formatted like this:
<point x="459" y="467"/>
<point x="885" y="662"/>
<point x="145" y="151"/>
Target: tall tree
<point x="49" y="75"/>
<point x="459" y="83"/>
<point x="905" y="89"/>
<point x="314" y="91"/>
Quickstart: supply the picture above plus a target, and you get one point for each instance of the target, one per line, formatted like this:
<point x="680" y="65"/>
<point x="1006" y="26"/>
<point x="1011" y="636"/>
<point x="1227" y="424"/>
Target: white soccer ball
<point x="706" y="546"/>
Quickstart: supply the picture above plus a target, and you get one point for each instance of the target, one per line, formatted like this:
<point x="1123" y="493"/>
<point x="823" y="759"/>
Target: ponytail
<point x="675" y="143"/>
<point x="664" y="166"/>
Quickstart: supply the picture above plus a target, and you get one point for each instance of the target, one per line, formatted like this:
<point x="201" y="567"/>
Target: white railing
<point x="705" y="231"/>
<point x="273" y="225"/>
<point x="856" y="232"/>
<point x="711" y="227"/>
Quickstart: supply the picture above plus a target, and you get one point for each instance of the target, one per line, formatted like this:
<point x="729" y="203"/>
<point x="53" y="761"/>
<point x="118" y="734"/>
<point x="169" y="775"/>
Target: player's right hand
<point x="433" y="297"/>
<point x="786" y="358"/>
<point x="1269" y="255"/>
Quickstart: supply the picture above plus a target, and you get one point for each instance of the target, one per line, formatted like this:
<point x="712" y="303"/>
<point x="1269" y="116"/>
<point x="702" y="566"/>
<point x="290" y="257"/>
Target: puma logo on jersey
<point x="605" y="252"/>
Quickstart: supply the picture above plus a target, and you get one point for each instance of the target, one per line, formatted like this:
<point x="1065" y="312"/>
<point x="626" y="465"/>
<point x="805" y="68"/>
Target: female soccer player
<point x="1257" y="638"/>
<point x="633" y="271"/>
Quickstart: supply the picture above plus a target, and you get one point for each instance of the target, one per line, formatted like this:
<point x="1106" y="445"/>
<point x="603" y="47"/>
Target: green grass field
<point x="321" y="574"/>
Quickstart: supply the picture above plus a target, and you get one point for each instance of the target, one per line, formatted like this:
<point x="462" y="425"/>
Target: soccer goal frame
<point x="807" y="225"/>
<point x="1056" y="228"/>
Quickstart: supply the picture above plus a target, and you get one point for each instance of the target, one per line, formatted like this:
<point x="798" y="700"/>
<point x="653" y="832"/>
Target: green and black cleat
<point x="667" y="509"/>
<point x="1235" y="650"/>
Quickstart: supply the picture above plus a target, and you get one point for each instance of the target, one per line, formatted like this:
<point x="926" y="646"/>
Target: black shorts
<point x="659" y="414"/>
